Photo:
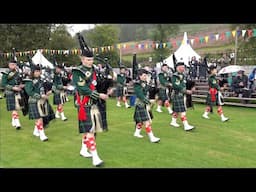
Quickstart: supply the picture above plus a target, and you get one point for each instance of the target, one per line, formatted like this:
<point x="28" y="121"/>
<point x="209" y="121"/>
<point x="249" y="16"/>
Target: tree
<point x="23" y="37"/>
<point x="246" y="53"/>
<point x="160" y="34"/>
<point x="62" y="40"/>
<point x="104" y="35"/>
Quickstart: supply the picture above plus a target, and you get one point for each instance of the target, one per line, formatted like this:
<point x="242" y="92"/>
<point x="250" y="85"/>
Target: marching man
<point x="58" y="89"/>
<point x="178" y="97"/>
<point x="141" y="114"/>
<point x="213" y="95"/>
<point x="12" y="83"/>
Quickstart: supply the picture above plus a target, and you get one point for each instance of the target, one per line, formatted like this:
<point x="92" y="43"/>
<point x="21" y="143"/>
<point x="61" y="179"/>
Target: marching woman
<point x="213" y="95"/>
<point x="58" y="89"/>
<point x="141" y="114"/>
<point x="38" y="101"/>
<point x="11" y="81"/>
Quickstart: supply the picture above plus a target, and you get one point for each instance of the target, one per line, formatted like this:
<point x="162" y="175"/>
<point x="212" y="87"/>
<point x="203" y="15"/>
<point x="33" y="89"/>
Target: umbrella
<point x="231" y="69"/>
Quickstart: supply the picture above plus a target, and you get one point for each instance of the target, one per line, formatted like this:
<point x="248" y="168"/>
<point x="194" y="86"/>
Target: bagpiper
<point x="121" y="88"/>
<point x="164" y="87"/>
<point x="142" y="107"/>
<point x="38" y="101"/>
<point x="85" y="81"/>
<point x="59" y="97"/>
<point x="12" y="83"/>
<point x="178" y="96"/>
<point x="214" y="95"/>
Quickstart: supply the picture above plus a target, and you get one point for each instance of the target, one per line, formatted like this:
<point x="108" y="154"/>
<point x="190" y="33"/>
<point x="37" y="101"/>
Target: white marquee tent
<point x="38" y="58"/>
<point x="184" y="52"/>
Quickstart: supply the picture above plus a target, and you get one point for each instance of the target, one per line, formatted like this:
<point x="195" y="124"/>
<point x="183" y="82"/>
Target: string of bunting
<point x="202" y="40"/>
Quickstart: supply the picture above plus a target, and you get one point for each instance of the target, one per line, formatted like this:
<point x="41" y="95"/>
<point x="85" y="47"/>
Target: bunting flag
<point x="243" y="33"/>
<point x="192" y="41"/>
<point x="143" y="46"/>
<point x="233" y="33"/>
<point x="206" y="39"/>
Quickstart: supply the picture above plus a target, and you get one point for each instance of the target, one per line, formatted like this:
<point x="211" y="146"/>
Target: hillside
<point x="194" y="31"/>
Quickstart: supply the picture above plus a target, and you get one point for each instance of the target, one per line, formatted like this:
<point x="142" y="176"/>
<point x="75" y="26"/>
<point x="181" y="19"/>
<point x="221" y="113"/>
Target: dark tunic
<point x="9" y="80"/>
<point x="212" y="96"/>
<point x="165" y="82"/>
<point x="121" y="80"/>
<point x="178" y="93"/>
<point x="84" y="80"/>
<point x="57" y="88"/>
<point x="141" y="90"/>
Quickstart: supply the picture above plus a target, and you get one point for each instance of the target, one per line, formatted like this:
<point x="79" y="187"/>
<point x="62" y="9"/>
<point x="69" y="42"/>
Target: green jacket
<point x="83" y="79"/>
<point x="34" y="88"/>
<point x="164" y="79"/>
<point x="213" y="83"/>
<point x="57" y="82"/>
<point x="10" y="79"/>
<point x="178" y="82"/>
<point x="141" y="90"/>
<point x="121" y="79"/>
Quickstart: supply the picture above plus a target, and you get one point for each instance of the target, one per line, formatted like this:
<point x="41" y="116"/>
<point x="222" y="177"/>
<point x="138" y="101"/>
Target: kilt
<point x="178" y="103"/>
<point x="162" y="95"/>
<point x="119" y="91"/>
<point x="86" y="126"/>
<point x="10" y="101"/>
<point x="211" y="103"/>
<point x="33" y="111"/>
<point x="140" y="114"/>
<point x="58" y="100"/>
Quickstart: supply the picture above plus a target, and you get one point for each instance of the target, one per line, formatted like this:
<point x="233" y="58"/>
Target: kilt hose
<point x="162" y="95"/>
<point x="119" y="91"/>
<point x="141" y="114"/>
<point x="178" y="103"/>
<point x="86" y="125"/>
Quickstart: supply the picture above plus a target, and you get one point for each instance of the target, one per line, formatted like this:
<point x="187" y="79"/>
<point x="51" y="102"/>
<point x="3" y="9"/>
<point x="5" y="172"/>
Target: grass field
<point x="213" y="144"/>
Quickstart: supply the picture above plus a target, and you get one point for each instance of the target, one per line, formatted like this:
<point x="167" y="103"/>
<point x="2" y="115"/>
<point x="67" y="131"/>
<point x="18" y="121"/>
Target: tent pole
<point x="236" y="47"/>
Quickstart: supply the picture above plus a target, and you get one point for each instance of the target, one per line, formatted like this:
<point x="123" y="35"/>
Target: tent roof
<point x="184" y="52"/>
<point x="38" y="58"/>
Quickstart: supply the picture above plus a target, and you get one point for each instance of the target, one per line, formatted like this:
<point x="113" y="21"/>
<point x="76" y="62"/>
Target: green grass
<point x="212" y="144"/>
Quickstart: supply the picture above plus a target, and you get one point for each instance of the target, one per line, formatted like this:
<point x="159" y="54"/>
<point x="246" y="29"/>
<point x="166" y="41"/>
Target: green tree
<point x="62" y="40"/>
<point x="23" y="37"/>
<point x="160" y="35"/>
<point x="105" y="35"/>
<point x="246" y="49"/>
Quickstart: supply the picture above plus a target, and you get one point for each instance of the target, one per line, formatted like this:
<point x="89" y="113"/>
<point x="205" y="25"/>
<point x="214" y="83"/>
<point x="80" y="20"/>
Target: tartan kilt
<point x="10" y="101"/>
<point x="119" y="91"/>
<point x="162" y="95"/>
<point x="57" y="99"/>
<point x="33" y="111"/>
<point x="178" y="103"/>
<point x="211" y="103"/>
<point x="86" y="126"/>
<point x="140" y="114"/>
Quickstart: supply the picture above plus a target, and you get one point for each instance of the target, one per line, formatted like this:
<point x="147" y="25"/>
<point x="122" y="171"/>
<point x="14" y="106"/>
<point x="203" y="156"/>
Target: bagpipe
<point x="105" y="75"/>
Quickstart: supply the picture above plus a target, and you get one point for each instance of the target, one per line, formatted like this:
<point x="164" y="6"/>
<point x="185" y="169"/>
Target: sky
<point x="75" y="28"/>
